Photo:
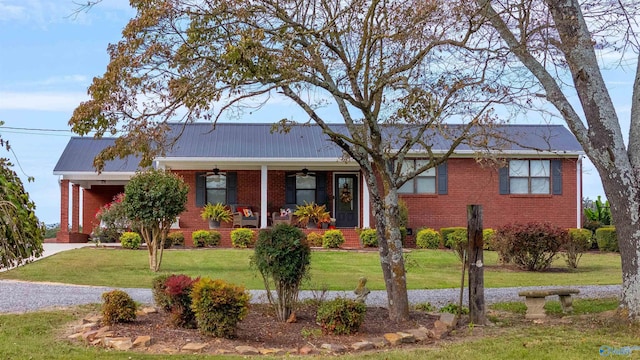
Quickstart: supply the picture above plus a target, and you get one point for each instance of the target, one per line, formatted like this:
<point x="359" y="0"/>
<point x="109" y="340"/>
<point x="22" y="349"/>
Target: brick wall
<point x="93" y="199"/>
<point x="471" y="183"/>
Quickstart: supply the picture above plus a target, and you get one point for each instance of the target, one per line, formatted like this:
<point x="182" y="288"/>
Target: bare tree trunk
<point x="476" y="265"/>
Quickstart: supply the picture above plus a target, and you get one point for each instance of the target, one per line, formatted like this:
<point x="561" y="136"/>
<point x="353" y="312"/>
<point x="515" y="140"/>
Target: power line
<point x="32" y="129"/>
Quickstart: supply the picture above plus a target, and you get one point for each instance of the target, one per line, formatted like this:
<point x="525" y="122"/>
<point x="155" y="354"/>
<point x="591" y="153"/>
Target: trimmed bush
<point x="177" y="238"/>
<point x="168" y="243"/>
<point x="368" y="237"/>
<point x="487" y="239"/>
<point x="607" y="239"/>
<point x="445" y="231"/>
<point x="314" y="239"/>
<point x="332" y="239"/>
<point x="130" y="240"/>
<point x="458" y="241"/>
<point x="341" y="316"/>
<point x="118" y="307"/>
<point x="218" y="306"/>
<point x="160" y="296"/>
<point x="578" y="243"/>
<point x="530" y="246"/>
<point x="428" y="239"/>
<point x="242" y="238"/>
<point x="178" y="289"/>
<point x="282" y="256"/>
<point x="206" y="238"/>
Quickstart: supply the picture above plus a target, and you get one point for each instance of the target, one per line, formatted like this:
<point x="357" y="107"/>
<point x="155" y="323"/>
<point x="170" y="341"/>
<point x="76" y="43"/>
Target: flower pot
<point x="312" y="225"/>
<point x="214" y="224"/>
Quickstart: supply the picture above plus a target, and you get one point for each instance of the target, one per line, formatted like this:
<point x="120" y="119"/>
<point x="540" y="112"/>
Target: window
<point x="423" y="183"/>
<point x="305" y="189"/>
<point x="530" y="176"/>
<point x="216" y="189"/>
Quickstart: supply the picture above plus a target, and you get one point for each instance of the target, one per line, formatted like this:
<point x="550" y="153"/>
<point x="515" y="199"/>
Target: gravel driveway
<point x="21" y="296"/>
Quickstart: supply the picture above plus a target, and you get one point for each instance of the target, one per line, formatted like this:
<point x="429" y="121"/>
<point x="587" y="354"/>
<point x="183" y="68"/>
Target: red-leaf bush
<point x="178" y="289"/>
<point x="531" y="246"/>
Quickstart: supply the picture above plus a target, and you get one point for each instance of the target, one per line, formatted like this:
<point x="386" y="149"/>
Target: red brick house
<point x="541" y="179"/>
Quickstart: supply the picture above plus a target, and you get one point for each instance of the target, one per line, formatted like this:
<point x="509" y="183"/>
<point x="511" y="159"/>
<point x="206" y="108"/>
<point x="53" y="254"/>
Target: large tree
<point x="563" y="44"/>
<point x="396" y="71"/>
<point x="21" y="233"/>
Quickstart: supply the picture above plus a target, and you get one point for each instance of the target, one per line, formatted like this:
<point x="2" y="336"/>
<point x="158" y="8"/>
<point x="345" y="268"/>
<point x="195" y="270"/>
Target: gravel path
<point x="20" y="296"/>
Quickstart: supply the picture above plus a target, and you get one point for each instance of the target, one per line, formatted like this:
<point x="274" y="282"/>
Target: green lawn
<point x="334" y="270"/>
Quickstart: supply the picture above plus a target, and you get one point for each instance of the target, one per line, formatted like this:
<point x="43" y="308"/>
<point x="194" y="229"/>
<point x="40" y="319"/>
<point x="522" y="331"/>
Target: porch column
<point x="75" y="208"/>
<point x="263" y="196"/>
<point x="579" y="192"/>
<point x="63" y="234"/>
<point x="366" y="205"/>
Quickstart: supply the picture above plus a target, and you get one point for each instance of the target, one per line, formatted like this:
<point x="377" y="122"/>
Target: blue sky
<point x="49" y="57"/>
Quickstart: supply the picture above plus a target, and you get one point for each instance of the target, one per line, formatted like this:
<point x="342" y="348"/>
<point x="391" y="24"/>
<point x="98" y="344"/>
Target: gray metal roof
<point x="237" y="141"/>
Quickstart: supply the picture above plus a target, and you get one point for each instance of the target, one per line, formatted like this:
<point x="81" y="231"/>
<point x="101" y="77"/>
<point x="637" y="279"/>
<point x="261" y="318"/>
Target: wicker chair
<point x="244" y="216"/>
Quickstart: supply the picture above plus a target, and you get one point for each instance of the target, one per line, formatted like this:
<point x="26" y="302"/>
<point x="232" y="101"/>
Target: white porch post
<point x="366" y="205"/>
<point x="263" y="196"/>
<point x="579" y="192"/>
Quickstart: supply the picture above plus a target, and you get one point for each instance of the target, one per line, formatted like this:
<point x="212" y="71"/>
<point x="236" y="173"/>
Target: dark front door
<point x="346" y="199"/>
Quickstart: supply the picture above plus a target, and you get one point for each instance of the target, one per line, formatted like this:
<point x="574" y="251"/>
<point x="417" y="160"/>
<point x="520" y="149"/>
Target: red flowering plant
<point x="111" y="221"/>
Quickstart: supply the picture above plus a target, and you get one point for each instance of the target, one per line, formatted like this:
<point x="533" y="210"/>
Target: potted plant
<point x="216" y="213"/>
<point x="311" y="214"/>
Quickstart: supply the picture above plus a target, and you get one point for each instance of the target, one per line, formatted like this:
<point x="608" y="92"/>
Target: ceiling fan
<point x="303" y="173"/>
<point x="214" y="173"/>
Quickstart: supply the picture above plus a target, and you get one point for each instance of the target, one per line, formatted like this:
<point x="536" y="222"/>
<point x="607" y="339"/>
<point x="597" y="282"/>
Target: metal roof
<point x="244" y="142"/>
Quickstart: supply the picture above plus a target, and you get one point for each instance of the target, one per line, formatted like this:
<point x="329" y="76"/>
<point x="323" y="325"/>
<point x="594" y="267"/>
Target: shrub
<point x="444" y="232"/>
<point x="282" y="256"/>
<point x="118" y="307"/>
<point x="177" y="238"/>
<point x="578" y="243"/>
<point x="111" y="220"/>
<point x="487" y="239"/>
<point x="607" y="239"/>
<point x="218" y="306"/>
<point x="160" y="296"/>
<point x="130" y="240"/>
<point x="428" y="239"/>
<point x="341" y="316"/>
<point x="202" y="238"/>
<point x="178" y="289"/>
<point x="332" y="239"/>
<point x="530" y="246"/>
<point x="452" y="308"/>
<point x="242" y="238"/>
<point x="168" y="242"/>
<point x="314" y="239"/>
<point x="458" y="241"/>
<point x="368" y="237"/>
<point x="425" y="306"/>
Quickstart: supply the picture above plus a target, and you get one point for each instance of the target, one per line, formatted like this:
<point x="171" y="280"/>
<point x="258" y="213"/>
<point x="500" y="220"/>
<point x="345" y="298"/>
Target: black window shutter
<point x="443" y="179"/>
<point x="290" y="188"/>
<point x="232" y="188"/>
<point x="503" y="175"/>
<point x="321" y="188"/>
<point x="556" y="177"/>
<point x="201" y="189"/>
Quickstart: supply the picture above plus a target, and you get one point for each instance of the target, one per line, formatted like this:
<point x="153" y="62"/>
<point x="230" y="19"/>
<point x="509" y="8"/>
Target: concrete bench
<point x="535" y="300"/>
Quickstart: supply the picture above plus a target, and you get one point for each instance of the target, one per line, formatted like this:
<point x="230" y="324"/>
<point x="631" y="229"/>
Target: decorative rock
<point x="75" y="336"/>
<point x="306" y="350"/>
<point x="420" y="334"/>
<point x="121" y="345"/>
<point x="272" y="351"/>
<point x="449" y="320"/>
<point x="440" y="329"/>
<point x="406" y="338"/>
<point x="89" y="335"/>
<point x="222" y="352"/>
<point x="336" y="348"/>
<point x="194" y="347"/>
<point x="142" y="341"/>
<point x="247" y="350"/>
<point x="108" y="340"/>
<point x="92" y="319"/>
<point x="96" y="342"/>
<point x="84" y="327"/>
<point x="362" y="345"/>
<point x="149" y="310"/>
<point x="379" y="342"/>
<point x="393" y="338"/>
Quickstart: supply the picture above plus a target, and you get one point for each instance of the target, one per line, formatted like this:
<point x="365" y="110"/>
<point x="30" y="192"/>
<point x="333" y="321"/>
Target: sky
<point x="48" y="58"/>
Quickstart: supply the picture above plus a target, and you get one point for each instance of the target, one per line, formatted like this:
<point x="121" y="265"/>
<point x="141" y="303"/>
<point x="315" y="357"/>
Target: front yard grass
<point x="333" y="270"/>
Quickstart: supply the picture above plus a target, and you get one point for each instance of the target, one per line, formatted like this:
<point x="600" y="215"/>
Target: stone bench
<point x="535" y="300"/>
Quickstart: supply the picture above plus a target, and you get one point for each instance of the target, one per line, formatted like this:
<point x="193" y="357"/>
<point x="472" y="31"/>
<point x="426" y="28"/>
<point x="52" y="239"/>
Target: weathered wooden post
<point x="476" y="265"/>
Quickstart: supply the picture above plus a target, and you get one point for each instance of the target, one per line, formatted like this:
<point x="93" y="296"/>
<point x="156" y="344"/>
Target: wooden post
<point x="477" y="313"/>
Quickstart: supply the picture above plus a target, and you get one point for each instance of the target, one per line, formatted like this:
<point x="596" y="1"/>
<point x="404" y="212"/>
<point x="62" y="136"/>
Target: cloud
<point x="41" y="101"/>
<point x="12" y="12"/>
